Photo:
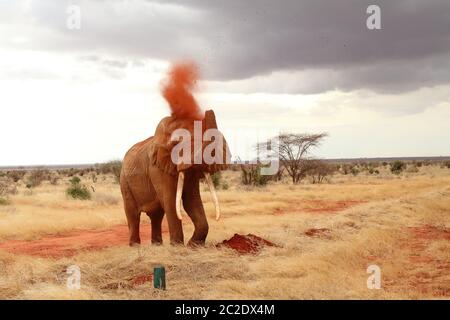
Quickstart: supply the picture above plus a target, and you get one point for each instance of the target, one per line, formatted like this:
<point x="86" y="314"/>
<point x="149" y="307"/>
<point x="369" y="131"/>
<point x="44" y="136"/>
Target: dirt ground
<point x="307" y="241"/>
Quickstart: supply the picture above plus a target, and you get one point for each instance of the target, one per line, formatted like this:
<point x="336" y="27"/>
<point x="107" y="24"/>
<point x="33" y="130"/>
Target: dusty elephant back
<point x="136" y="158"/>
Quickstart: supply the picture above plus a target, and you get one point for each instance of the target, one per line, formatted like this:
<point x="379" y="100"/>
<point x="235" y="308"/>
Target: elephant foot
<point x="157" y="242"/>
<point x="196" y="243"/>
<point x="177" y="242"/>
<point x="135" y="243"/>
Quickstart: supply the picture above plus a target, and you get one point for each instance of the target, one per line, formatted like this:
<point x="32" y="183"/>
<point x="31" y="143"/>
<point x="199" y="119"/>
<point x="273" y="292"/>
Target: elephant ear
<point x="160" y="157"/>
<point x="159" y="152"/>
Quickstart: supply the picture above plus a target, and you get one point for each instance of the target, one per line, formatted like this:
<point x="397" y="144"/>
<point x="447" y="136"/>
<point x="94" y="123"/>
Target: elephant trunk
<point x="213" y="193"/>
<point x="179" y="194"/>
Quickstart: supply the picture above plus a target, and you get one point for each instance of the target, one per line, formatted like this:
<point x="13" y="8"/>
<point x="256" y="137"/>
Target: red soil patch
<point x="313" y="232"/>
<point x="428" y="232"/>
<point x="129" y="283"/>
<point x="141" y="279"/>
<point x="67" y="245"/>
<point x="325" y="206"/>
<point x="322" y="206"/>
<point x="249" y="244"/>
<point x="434" y="281"/>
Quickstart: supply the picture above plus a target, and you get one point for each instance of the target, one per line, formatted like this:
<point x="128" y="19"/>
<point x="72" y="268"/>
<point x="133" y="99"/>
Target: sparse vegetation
<point x="320" y="170"/>
<point x="114" y="167"/>
<point x="251" y="175"/>
<point x="293" y="152"/>
<point x="274" y="213"/>
<point x="397" y="167"/>
<point x="36" y="177"/>
<point x="216" y="179"/>
<point x="16" y="175"/>
<point x="78" y="190"/>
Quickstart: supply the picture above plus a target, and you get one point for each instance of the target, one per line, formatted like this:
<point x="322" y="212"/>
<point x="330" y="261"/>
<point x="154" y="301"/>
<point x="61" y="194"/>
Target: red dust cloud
<point x="177" y="90"/>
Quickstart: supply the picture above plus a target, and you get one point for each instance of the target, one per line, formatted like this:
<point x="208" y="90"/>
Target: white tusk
<point x="213" y="194"/>
<point x="179" y="194"/>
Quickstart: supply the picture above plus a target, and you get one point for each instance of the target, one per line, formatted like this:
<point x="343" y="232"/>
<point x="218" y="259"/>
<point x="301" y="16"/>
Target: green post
<point x="159" y="277"/>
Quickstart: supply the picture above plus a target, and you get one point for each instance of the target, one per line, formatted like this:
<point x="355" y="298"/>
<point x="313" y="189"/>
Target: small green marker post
<point x="159" y="277"/>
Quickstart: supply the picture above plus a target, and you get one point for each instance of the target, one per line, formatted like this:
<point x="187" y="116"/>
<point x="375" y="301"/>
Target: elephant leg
<point x="133" y="218"/>
<point x="133" y="215"/>
<point x="193" y="205"/>
<point x="156" y="218"/>
<point x="175" y="226"/>
<point x="166" y="188"/>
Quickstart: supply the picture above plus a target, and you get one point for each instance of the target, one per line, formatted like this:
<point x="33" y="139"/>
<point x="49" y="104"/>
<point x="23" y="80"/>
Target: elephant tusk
<point x="213" y="193"/>
<point x="179" y="194"/>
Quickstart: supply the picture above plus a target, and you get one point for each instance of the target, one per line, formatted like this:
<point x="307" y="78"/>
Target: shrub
<point x="54" y="180"/>
<point x="320" y="170"/>
<point x="216" y="179"/>
<point x="36" y="177"/>
<point x="447" y="164"/>
<point x="75" y="180"/>
<point x="225" y="185"/>
<point x="251" y="175"/>
<point x="412" y="169"/>
<point x="397" y="167"/>
<point x="77" y="190"/>
<point x="354" y="171"/>
<point x="114" y="167"/>
<point x="3" y="192"/>
<point x="16" y="175"/>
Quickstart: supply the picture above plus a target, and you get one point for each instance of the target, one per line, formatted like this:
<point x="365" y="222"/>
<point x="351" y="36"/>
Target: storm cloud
<point x="315" y="46"/>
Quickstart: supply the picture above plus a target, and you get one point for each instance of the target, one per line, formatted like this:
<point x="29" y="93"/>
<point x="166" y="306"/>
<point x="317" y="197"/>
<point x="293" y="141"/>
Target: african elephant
<point x="153" y="183"/>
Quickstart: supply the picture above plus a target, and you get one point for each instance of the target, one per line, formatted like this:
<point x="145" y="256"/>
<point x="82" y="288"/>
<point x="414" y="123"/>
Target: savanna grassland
<point x="326" y="234"/>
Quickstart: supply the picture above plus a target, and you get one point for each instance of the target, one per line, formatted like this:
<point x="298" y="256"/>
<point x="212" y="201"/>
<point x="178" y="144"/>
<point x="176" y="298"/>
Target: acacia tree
<point x="293" y="152"/>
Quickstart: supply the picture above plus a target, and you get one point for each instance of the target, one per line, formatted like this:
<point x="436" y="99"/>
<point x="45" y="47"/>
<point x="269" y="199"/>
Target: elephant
<point x="153" y="183"/>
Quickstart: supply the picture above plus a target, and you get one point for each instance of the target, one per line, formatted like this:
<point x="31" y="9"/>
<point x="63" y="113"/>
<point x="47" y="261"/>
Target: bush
<point x="397" y="167"/>
<point x="225" y="185"/>
<point x="447" y="164"/>
<point x="36" y="177"/>
<point x="16" y="175"/>
<point x="75" y="180"/>
<point x="216" y="178"/>
<point x="3" y="192"/>
<point x="412" y="169"/>
<point x="251" y="175"/>
<point x="320" y="170"/>
<point x="77" y="190"/>
<point x="114" y="167"/>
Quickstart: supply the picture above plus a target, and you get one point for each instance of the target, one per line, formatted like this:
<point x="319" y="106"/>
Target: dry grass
<point x="329" y="266"/>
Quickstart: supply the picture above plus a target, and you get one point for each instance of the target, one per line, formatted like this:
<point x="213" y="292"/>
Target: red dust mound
<point x="70" y="244"/>
<point x="177" y="90"/>
<point x="249" y="244"/>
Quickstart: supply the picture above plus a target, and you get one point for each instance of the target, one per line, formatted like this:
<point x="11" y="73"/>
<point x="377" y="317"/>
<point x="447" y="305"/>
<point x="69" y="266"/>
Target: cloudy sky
<point x="70" y="95"/>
